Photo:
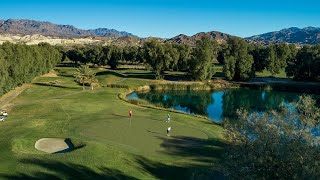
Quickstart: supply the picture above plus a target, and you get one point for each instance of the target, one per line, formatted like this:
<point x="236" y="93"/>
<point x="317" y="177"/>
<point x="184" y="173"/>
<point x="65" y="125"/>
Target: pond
<point x="218" y="105"/>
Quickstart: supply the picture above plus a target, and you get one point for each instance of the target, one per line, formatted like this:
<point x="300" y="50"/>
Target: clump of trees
<point x="157" y="57"/>
<point x="20" y="63"/>
<point x="273" y="58"/>
<point x="306" y="64"/>
<point x="237" y="61"/>
<point x="104" y="55"/>
<point x="275" y="145"/>
<point x="197" y="61"/>
<point x="202" y="59"/>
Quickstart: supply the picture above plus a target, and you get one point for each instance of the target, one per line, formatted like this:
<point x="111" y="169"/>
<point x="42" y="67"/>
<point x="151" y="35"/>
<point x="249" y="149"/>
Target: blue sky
<point x="167" y="18"/>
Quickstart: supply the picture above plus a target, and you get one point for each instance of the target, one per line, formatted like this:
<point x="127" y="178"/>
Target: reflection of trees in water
<point x="253" y="100"/>
<point x="195" y="102"/>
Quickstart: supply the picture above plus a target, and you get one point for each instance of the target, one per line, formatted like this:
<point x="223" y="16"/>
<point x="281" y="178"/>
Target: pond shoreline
<point x="267" y="84"/>
<point x="282" y="84"/>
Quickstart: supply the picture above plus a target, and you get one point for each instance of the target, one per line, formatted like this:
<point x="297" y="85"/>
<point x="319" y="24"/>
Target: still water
<point x="218" y="105"/>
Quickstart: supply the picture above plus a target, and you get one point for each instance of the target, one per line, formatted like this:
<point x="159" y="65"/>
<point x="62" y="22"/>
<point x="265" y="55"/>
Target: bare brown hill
<point x="190" y="40"/>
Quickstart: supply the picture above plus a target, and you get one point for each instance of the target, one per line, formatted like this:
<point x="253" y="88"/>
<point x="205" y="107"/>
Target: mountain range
<point x="31" y="27"/>
<point x="25" y="27"/>
<point x="294" y="35"/>
<point x="308" y="35"/>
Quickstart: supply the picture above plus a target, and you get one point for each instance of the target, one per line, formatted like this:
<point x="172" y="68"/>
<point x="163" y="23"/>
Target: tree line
<point x="159" y="57"/>
<point x="20" y="63"/>
<point x="240" y="59"/>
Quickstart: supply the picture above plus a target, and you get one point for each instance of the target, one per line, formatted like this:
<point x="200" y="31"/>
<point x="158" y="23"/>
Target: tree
<point x="275" y="145"/>
<point x="77" y="55"/>
<point x="260" y="57"/>
<point x="106" y="55"/>
<point x="203" y="56"/>
<point x="115" y="56"/>
<point x="155" y="57"/>
<point x="306" y="64"/>
<point x="92" y="80"/>
<point x="171" y="55"/>
<point x="184" y="51"/>
<point x="237" y="61"/>
<point x="221" y="52"/>
<point x="278" y="56"/>
<point x="84" y="74"/>
<point x="130" y="53"/>
<point x="94" y="54"/>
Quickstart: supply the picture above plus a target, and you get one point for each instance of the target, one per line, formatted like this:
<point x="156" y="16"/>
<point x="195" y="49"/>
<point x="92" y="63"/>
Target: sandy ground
<point x="52" y="73"/>
<point x="36" y="39"/>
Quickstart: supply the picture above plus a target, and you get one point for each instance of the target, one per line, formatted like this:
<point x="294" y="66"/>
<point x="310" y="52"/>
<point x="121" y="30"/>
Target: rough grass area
<point x="110" y="145"/>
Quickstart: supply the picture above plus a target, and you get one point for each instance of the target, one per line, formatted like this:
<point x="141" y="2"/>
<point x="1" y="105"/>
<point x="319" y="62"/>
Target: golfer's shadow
<point x="119" y="115"/>
<point x="153" y="132"/>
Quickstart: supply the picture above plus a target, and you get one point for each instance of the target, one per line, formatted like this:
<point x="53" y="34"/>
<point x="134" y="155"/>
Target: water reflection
<point x="218" y="105"/>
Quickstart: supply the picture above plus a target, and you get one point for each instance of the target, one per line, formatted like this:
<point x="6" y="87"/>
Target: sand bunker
<point x="54" y="145"/>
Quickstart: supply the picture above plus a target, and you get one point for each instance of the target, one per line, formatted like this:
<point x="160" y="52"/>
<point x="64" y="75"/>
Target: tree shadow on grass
<point x="205" y="155"/>
<point x="200" y="150"/>
<point x="65" y="64"/>
<point x="151" y="75"/>
<point x="59" y="170"/>
<point x="140" y="75"/>
<point x="174" y="171"/>
<point x="65" y="75"/>
<point x="177" y="77"/>
<point x="111" y="73"/>
<point x="55" y="85"/>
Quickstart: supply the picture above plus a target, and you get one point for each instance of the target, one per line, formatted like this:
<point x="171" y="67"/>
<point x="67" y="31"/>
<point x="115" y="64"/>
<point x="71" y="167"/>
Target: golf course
<point x="107" y="143"/>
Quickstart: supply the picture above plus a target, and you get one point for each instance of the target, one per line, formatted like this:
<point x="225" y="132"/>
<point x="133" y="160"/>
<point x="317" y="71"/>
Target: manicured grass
<point x="266" y="73"/>
<point x="219" y="73"/>
<point x="110" y="145"/>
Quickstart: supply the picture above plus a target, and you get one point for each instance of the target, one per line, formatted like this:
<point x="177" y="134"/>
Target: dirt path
<point x="11" y="95"/>
<point x="9" y="106"/>
<point x="8" y="97"/>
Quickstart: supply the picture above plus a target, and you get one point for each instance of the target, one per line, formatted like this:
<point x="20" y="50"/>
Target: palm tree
<point x="83" y="74"/>
<point x="93" y="81"/>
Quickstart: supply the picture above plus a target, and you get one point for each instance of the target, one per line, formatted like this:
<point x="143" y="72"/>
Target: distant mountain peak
<point x="311" y="28"/>
<point x="307" y="35"/>
<point x="190" y="40"/>
<point x="30" y="27"/>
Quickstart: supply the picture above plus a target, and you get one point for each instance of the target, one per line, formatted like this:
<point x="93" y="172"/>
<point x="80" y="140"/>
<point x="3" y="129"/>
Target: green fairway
<point x="109" y="144"/>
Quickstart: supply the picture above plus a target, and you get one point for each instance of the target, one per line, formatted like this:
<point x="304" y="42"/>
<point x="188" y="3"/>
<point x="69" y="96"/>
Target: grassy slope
<point x="109" y="144"/>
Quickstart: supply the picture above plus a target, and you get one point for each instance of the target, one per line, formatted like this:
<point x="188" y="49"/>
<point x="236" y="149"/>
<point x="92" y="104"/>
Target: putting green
<point x="141" y="134"/>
